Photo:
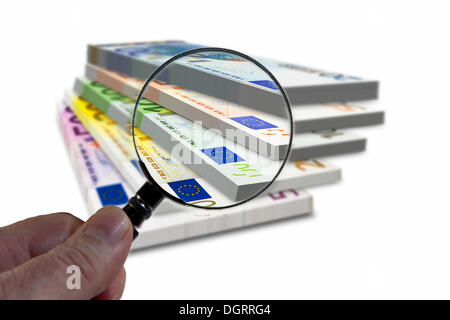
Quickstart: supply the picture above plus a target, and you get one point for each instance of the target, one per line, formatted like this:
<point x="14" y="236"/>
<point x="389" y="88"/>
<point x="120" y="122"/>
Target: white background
<point x="383" y="232"/>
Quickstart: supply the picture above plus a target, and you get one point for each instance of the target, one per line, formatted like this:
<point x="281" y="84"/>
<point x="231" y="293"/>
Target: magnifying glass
<point x="212" y="129"/>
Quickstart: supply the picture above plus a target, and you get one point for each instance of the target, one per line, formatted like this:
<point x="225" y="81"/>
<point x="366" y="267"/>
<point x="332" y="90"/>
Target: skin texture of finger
<point x="115" y="289"/>
<point x="29" y="238"/>
<point x="98" y="248"/>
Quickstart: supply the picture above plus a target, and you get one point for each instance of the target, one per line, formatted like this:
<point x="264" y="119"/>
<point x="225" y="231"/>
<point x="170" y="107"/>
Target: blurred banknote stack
<point x="94" y="118"/>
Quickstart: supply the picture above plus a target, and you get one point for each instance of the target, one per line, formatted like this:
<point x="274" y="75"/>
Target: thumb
<point x="97" y="250"/>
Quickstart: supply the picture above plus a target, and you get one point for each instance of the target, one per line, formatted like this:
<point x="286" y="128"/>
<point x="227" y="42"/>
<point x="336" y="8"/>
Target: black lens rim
<point x="190" y="52"/>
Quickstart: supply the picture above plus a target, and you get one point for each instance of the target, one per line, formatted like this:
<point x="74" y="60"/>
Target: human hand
<point x="35" y="254"/>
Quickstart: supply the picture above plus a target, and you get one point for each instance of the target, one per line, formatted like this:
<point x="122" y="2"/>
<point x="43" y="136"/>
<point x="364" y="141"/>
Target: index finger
<point x="29" y="238"/>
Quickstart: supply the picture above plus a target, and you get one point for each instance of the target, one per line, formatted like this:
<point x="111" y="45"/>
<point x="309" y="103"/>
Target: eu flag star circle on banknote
<point x="254" y="123"/>
<point x="265" y="83"/>
<point x="222" y="155"/>
<point x="189" y="190"/>
<point x="112" y="195"/>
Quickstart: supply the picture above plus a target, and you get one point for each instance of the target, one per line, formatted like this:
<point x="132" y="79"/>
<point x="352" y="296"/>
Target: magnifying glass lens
<point x="212" y="128"/>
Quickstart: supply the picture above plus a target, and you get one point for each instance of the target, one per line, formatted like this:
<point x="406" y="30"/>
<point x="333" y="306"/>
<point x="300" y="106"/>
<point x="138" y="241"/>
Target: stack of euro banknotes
<point x="94" y="120"/>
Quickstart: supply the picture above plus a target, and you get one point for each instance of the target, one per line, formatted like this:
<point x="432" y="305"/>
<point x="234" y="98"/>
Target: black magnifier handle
<point x="141" y="206"/>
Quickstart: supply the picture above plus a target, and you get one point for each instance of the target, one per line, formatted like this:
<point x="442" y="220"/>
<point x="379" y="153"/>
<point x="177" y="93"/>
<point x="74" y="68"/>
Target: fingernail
<point x="109" y="224"/>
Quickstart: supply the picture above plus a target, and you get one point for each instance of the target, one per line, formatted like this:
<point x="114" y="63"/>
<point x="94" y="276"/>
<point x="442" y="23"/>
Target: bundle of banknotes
<point x="94" y="117"/>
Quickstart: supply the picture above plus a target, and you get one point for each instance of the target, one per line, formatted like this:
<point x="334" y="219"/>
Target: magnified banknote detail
<point x="222" y="133"/>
